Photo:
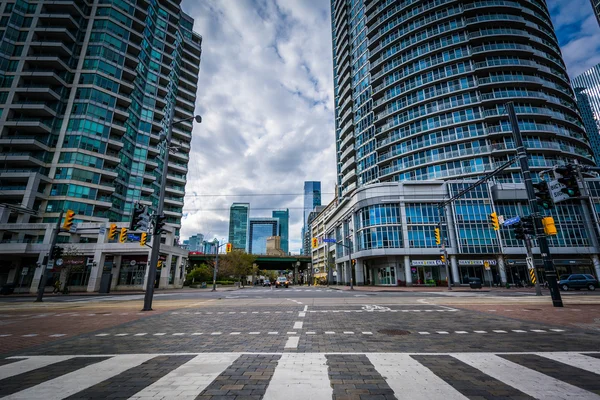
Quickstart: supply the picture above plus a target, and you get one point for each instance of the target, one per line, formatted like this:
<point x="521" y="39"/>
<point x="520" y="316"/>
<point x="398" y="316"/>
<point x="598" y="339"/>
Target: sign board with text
<point x="555" y="191"/>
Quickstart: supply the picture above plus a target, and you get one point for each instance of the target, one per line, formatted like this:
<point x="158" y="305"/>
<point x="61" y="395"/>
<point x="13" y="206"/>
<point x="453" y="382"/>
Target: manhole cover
<point x="395" y="332"/>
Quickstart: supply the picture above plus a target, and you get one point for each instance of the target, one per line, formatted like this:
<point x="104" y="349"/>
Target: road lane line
<point x="298" y="325"/>
<point x="305" y="308"/>
<point x="300" y="377"/>
<point x="292" y="343"/>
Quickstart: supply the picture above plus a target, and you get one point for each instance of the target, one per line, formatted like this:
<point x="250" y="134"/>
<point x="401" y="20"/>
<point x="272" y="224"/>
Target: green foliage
<point x="202" y="273"/>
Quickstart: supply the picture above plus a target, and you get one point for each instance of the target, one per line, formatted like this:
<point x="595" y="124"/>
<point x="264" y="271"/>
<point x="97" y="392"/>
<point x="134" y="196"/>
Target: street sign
<point x="50" y="264"/>
<point x="501" y="219"/>
<point x="512" y="221"/>
<point x="59" y="262"/>
<point x="328" y="240"/>
<point x="24" y="271"/>
<point x="102" y="230"/>
<point x="555" y="191"/>
<point x="529" y="262"/>
<point x="73" y="228"/>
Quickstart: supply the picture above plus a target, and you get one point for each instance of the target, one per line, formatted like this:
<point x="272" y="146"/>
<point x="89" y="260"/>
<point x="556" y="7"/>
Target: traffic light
<point x="528" y="225"/>
<point x="123" y="235"/>
<point x="549" y="226"/>
<point x="143" y="239"/>
<point x="112" y="232"/>
<point x="519" y="231"/>
<point x="57" y="252"/>
<point x="160" y="223"/>
<point x="315" y="243"/>
<point x="159" y="264"/>
<point x="139" y="218"/>
<point x="353" y="262"/>
<point x="494" y="221"/>
<point x="228" y="247"/>
<point x="69" y="220"/>
<point x="542" y="192"/>
<point x="443" y="258"/>
<point x="569" y="179"/>
<point x="438" y="237"/>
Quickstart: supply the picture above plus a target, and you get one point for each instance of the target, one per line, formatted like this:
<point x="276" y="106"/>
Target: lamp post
<point x="164" y="142"/>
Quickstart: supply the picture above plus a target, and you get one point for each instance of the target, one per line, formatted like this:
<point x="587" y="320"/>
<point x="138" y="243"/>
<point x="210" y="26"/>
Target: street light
<point x="217" y="247"/>
<point x="156" y="234"/>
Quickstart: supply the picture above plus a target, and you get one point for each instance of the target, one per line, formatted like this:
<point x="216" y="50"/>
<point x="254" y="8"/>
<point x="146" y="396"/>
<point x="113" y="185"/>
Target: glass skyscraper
<point x="259" y="229"/>
<point x="238" y="225"/>
<point x="587" y="90"/>
<point x="596" y="7"/>
<point x="284" y="224"/>
<point x="312" y="199"/>
<point x="420" y="87"/>
<point x="85" y="91"/>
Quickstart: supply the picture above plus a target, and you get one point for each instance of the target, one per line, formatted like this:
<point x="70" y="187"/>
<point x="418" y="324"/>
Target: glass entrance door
<point x="386" y="276"/>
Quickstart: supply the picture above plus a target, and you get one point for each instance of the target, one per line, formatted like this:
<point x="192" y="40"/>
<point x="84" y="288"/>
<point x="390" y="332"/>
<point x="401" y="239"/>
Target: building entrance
<point x="386" y="276"/>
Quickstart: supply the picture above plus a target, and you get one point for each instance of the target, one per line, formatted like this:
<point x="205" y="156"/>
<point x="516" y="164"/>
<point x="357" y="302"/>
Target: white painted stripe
<point x="216" y="333"/>
<point x="29" y="364"/>
<point x="253" y="333"/>
<point x="102" y="334"/>
<point x="298" y="325"/>
<point x="30" y="335"/>
<point x="311" y="333"/>
<point x="178" y="334"/>
<point x="519" y="331"/>
<point x="367" y="333"/>
<point x="526" y="380"/>
<point x="156" y="334"/>
<point x="557" y="330"/>
<point x="461" y="332"/>
<point x="581" y="361"/>
<point x="6" y="335"/>
<point x="422" y="333"/>
<point x="122" y="334"/>
<point x="300" y="377"/>
<point x="538" y="330"/>
<point x="305" y="308"/>
<point x="197" y="333"/>
<point x="499" y="331"/>
<point x="190" y="379"/>
<point x="442" y="332"/>
<point x="480" y="331"/>
<point x="58" y="335"/>
<point x="140" y="334"/>
<point x="235" y="333"/>
<point x="292" y="333"/>
<point x="273" y="333"/>
<point x="292" y="343"/>
<point x="302" y="314"/>
<point x="71" y="383"/>
<point x="405" y="375"/>
<point x="349" y="333"/>
<point x="329" y="333"/>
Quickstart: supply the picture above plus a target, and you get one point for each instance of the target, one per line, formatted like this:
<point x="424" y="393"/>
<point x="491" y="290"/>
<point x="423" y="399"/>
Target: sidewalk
<point x="433" y="289"/>
<point x="122" y="292"/>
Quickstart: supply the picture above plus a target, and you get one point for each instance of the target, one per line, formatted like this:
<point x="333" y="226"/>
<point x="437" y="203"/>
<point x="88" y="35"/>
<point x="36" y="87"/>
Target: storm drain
<point x="394" y="332"/>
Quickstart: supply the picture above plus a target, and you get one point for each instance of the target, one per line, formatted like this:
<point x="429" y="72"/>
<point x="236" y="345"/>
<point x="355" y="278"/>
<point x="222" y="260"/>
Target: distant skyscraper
<point x="596" y="7"/>
<point x="259" y="229"/>
<point x="312" y="198"/>
<point x="587" y="92"/>
<point x="238" y="225"/>
<point x="284" y="223"/>
<point x="195" y="242"/>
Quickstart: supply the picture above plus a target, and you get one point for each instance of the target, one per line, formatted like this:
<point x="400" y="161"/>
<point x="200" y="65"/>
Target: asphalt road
<point x="302" y="342"/>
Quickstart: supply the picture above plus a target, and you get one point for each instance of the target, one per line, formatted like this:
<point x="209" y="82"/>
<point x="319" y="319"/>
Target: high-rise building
<point x="86" y="90"/>
<point x="239" y="213"/>
<point x="312" y="199"/>
<point x="421" y="85"/>
<point x="587" y="91"/>
<point x="284" y="225"/>
<point x="195" y="242"/>
<point x="596" y="7"/>
<point x="259" y="229"/>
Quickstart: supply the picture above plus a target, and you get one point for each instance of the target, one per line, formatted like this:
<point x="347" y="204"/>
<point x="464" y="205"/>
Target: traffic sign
<point x="102" y="230"/>
<point x="328" y="240"/>
<point x="73" y="228"/>
<point x="59" y="262"/>
<point x="529" y="262"/>
<point x="512" y="221"/>
<point x="555" y="191"/>
<point x="50" y="264"/>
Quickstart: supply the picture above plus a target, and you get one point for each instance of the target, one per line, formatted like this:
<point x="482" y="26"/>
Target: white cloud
<point x="265" y="93"/>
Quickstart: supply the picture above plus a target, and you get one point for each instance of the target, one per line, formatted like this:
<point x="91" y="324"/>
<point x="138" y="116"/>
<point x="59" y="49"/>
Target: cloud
<point x="578" y="34"/>
<point x="265" y="93"/>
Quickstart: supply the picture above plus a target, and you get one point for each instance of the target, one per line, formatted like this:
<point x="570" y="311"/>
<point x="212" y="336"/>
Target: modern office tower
<point x="284" y="225"/>
<point x="238" y="225"/>
<point x="596" y="7"/>
<point x="420" y="89"/>
<point x="86" y="89"/>
<point x="312" y="199"/>
<point x="587" y="92"/>
<point x="259" y="229"/>
<point x="195" y="242"/>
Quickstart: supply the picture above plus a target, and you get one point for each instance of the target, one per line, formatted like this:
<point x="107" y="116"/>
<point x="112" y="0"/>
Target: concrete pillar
<point x="455" y="274"/>
<point x="502" y="269"/>
<point x="116" y="271"/>
<point x="407" y="271"/>
<point x="96" y="272"/>
<point x="35" y="282"/>
<point x="163" y="281"/>
<point x="296" y="274"/>
<point x="12" y="274"/>
<point x="359" y="271"/>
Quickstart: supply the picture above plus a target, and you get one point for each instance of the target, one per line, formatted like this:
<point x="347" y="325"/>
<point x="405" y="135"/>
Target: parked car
<point x="578" y="281"/>
<point x="9" y="288"/>
<point x="282" y="281"/>
<point x="266" y="283"/>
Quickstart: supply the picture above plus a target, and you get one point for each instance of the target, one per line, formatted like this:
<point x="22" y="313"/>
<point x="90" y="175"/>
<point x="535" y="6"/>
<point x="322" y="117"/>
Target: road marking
<point x="216" y="333"/>
<point x="404" y="374"/>
<point x="519" y="331"/>
<point x="178" y="334"/>
<point x="480" y="331"/>
<point x="302" y="314"/>
<point x="30" y="335"/>
<point x="106" y="334"/>
<point x="235" y="333"/>
<point x="367" y="333"/>
<point x="581" y="361"/>
<point x="300" y="377"/>
<point x="273" y="333"/>
<point x="6" y="335"/>
<point x="422" y="333"/>
<point x="539" y="331"/>
<point x="311" y="333"/>
<point x="557" y="330"/>
<point x="500" y="331"/>
<point x="140" y="334"/>
<point x="461" y="332"/>
<point x="253" y="333"/>
<point x="298" y="325"/>
<point x="292" y="333"/>
<point x="329" y="333"/>
<point x="58" y="335"/>
<point x="197" y="333"/>
<point x="190" y="379"/>
<point x="156" y="334"/>
<point x="528" y="381"/>
<point x="349" y="333"/>
<point x="29" y="364"/>
<point x="442" y="332"/>
<point x="292" y="342"/>
<point x="305" y="308"/>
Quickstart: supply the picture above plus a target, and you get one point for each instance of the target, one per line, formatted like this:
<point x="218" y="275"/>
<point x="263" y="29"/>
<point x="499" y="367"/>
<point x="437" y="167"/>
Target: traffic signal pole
<point x="42" y="285"/>
<point x="533" y="206"/>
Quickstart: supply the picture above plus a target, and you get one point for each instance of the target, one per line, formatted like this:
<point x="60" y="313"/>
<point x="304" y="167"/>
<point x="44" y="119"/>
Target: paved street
<point x="301" y="343"/>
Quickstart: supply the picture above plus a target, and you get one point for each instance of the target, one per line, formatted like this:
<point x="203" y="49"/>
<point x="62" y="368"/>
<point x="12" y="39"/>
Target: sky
<point x="265" y="93"/>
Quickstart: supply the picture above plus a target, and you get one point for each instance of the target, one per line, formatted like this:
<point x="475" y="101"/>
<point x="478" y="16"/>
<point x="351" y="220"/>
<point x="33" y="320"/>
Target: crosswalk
<point x="182" y="376"/>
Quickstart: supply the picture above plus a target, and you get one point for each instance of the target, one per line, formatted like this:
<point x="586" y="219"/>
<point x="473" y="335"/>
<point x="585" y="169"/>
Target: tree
<point x="238" y="263"/>
<point x="201" y="273"/>
<point x="72" y="261"/>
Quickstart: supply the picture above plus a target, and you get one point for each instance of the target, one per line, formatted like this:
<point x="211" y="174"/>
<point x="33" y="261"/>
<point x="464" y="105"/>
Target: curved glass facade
<point x="421" y="85"/>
